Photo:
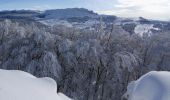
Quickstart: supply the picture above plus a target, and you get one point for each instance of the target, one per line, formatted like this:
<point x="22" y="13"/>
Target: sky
<point x="152" y="9"/>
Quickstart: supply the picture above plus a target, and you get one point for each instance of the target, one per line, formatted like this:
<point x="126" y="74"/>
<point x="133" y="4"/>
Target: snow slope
<point x="152" y="86"/>
<point x="142" y="29"/>
<point x="18" y="85"/>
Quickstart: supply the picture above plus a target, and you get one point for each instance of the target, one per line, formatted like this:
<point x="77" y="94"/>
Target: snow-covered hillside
<point x="68" y="13"/>
<point x="18" y="85"/>
<point x="142" y="29"/>
<point x="152" y="86"/>
<point x="84" y="19"/>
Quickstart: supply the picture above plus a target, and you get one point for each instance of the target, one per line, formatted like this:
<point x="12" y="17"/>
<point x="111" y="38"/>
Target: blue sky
<point x="153" y="9"/>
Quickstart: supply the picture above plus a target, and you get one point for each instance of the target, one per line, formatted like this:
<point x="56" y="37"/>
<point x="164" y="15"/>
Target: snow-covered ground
<point x="18" y="85"/>
<point x="142" y="29"/>
<point x="52" y="22"/>
<point x="152" y="86"/>
<point x="78" y="25"/>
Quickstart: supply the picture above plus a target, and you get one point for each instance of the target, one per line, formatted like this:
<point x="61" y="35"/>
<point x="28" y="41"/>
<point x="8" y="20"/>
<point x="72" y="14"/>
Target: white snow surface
<point x="52" y="22"/>
<point x="152" y="86"/>
<point x="142" y="29"/>
<point x="19" y="85"/>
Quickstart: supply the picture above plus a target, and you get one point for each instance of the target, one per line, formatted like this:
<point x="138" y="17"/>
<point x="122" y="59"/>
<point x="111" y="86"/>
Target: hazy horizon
<point x="158" y="10"/>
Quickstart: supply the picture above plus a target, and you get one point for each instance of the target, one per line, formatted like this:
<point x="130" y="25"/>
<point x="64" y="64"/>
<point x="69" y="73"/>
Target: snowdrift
<point x="18" y="85"/>
<point x="152" y="86"/>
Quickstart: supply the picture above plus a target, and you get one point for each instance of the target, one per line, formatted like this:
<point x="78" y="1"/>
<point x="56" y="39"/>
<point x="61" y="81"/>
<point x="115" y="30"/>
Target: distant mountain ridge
<point x="68" y="13"/>
<point x="64" y="14"/>
<point x="19" y="14"/>
<point x="82" y="18"/>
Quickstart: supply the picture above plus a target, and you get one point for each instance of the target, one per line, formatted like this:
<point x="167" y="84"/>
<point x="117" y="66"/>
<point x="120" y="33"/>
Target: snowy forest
<point x="87" y="64"/>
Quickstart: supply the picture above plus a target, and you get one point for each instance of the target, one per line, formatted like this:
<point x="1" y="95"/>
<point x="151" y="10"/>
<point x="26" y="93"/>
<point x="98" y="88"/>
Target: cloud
<point x="156" y="9"/>
<point x="143" y="3"/>
<point x="42" y="7"/>
<point x="153" y="9"/>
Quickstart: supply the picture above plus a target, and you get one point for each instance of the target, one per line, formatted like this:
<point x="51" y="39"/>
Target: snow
<point x="52" y="22"/>
<point x="19" y="85"/>
<point x="78" y="25"/>
<point x="125" y="60"/>
<point x="68" y="13"/>
<point x="152" y="86"/>
<point x="142" y="29"/>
